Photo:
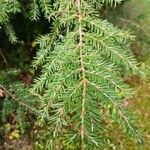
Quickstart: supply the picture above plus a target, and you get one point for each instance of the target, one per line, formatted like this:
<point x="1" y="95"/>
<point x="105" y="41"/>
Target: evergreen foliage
<point x="7" y="9"/>
<point x="81" y="62"/>
<point x="16" y="100"/>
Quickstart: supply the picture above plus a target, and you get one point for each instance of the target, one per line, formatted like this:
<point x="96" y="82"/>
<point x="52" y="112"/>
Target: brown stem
<point x="84" y="83"/>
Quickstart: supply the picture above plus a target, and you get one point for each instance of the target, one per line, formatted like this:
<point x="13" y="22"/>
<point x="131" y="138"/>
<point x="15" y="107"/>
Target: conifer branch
<point x="81" y="60"/>
<point x="82" y="72"/>
<point x="13" y="97"/>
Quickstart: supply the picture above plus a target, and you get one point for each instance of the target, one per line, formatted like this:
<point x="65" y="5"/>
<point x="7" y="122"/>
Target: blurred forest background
<point x="134" y="15"/>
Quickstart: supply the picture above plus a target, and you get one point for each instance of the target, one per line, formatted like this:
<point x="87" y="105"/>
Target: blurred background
<point x="135" y="16"/>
